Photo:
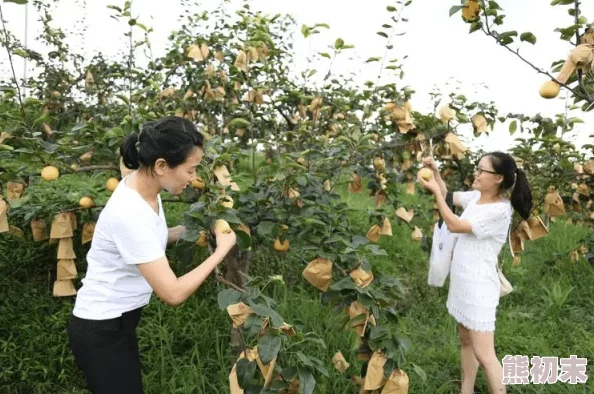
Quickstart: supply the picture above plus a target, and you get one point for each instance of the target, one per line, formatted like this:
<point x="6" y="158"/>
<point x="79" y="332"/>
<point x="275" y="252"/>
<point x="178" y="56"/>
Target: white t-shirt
<point x="128" y="232"/>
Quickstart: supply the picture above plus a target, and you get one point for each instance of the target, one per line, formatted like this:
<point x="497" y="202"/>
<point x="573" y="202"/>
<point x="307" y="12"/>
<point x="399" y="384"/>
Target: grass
<point x="185" y="349"/>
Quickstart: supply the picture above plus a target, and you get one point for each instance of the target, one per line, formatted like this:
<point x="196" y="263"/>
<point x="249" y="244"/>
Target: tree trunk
<point x="236" y="263"/>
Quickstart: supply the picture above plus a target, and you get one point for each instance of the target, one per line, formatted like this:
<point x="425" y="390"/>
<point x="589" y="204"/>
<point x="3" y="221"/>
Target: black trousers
<point x="107" y="353"/>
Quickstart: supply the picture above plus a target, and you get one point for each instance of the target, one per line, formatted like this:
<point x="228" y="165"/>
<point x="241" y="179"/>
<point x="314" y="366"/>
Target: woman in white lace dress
<point x="482" y="231"/>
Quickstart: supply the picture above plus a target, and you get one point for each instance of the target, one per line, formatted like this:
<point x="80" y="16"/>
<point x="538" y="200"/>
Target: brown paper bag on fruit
<point x="386" y="228"/>
<point x="39" y="230"/>
<point x="361" y="277"/>
<point x="87" y="232"/>
<point x="65" y="249"/>
<point x="405" y="215"/>
<point x="223" y="176"/>
<point x="14" y="190"/>
<point x="61" y="226"/>
<point x="356" y="309"/>
<point x="16" y="232"/>
<point x="374" y="379"/>
<point x="554" y="203"/>
<point x="73" y="220"/>
<point x="516" y="243"/>
<point x="3" y="216"/>
<point x="233" y="382"/>
<point x="239" y="313"/>
<point x="266" y="370"/>
<point x="66" y="269"/>
<point x="319" y="273"/>
<point x="374" y="233"/>
<point x="537" y="227"/>
<point x="64" y="288"/>
<point x="340" y="363"/>
<point x="397" y="383"/>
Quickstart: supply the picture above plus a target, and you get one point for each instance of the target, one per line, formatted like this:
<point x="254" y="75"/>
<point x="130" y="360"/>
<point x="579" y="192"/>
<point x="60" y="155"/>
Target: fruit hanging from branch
<point x="471" y="10"/>
<point x="425" y="173"/>
<point x="580" y="58"/>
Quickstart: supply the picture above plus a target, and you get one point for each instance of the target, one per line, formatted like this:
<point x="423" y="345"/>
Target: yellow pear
<point x="111" y="184"/>
<point x="86" y="202"/>
<point x="425" y="173"/>
<point x="50" y="173"/>
<point x="198" y="183"/>
<point x="222" y="226"/>
<point x="281" y="246"/>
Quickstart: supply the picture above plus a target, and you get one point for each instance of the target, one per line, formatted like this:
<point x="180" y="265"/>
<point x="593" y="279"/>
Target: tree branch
<point x="289" y="122"/>
<point x="577" y="42"/>
<point x="487" y="30"/>
<point x="540" y="71"/>
<point x="7" y="38"/>
<point x="224" y="281"/>
<point x="97" y="167"/>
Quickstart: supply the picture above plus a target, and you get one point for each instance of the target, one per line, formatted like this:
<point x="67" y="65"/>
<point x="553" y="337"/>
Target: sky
<point x="441" y="53"/>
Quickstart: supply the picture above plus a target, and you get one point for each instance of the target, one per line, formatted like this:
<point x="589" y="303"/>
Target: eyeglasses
<point x="479" y="171"/>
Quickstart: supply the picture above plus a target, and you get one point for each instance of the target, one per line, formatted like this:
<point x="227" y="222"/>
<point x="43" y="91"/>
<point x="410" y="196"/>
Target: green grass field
<point x="185" y="349"/>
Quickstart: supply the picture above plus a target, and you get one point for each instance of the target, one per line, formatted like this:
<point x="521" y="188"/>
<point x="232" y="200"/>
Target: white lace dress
<point x="473" y="294"/>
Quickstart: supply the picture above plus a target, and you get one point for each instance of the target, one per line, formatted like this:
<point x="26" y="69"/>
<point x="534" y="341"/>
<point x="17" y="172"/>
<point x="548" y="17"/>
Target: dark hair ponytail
<point x="171" y="138"/>
<point x="521" y="197"/>
<point x="129" y="152"/>
<point x="513" y="177"/>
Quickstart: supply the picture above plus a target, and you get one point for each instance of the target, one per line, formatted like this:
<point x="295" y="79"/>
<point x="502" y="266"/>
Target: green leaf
<point x="381" y="33"/>
<point x="376" y="250"/>
<point x="266" y="311"/>
<point x="494" y="5"/>
<point x="391" y="8"/>
<point x="339" y="43"/>
<point x="529" y="37"/>
<point x="307" y="383"/>
<point x="373" y="59"/>
<point x="359" y="240"/>
<point x="228" y="297"/>
<point x="231" y="217"/>
<point x="268" y="348"/>
<point x="301" y="180"/>
<point x="419" y="371"/>
<point x="345" y="283"/>
<point x="20" y="52"/>
<point x="475" y="26"/>
<point x="506" y="38"/>
<point x="16" y="1"/>
<point x="244" y="241"/>
<point x="245" y="370"/>
<point x="325" y="54"/>
<point x="265" y="228"/>
<point x="305" y="31"/>
<point x="239" y="123"/>
<point x="455" y="9"/>
<point x="513" y="127"/>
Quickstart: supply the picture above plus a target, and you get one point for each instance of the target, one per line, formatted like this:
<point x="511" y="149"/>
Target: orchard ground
<point x="186" y="349"/>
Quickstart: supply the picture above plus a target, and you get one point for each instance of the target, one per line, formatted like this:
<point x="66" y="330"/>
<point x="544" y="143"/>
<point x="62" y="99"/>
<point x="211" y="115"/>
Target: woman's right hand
<point x="225" y="242"/>
<point x="430" y="163"/>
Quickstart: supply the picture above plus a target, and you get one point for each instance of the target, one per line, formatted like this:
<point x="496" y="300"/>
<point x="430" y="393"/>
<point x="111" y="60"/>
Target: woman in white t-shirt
<point x="499" y="185"/>
<point x="127" y="259"/>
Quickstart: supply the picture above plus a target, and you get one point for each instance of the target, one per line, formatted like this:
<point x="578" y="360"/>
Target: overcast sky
<point x="440" y="51"/>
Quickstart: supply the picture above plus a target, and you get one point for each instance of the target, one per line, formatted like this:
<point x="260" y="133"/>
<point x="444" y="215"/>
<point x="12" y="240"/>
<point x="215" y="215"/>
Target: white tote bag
<point x="442" y="250"/>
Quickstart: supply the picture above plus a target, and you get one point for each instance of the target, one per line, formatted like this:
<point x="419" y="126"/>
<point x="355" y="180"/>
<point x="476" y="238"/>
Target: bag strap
<point x="507" y="244"/>
<point x="449" y="199"/>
